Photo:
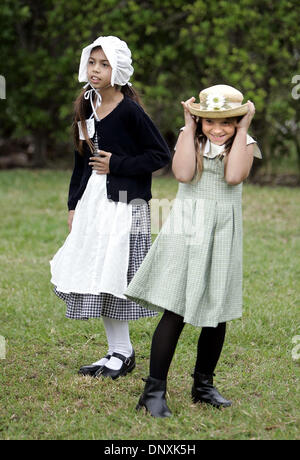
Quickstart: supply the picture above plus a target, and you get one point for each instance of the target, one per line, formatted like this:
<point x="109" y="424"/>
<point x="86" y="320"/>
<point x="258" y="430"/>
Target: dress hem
<point x="156" y="307"/>
<point x="132" y="315"/>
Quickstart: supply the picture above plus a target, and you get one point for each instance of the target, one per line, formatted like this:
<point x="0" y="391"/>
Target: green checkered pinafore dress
<point x="194" y="267"/>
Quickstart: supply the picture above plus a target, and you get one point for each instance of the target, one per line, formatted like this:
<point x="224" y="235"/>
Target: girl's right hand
<point x="190" y="120"/>
<point x="70" y="219"/>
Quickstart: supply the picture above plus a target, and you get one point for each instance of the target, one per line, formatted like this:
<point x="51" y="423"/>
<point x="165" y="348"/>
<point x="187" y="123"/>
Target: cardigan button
<point x="108" y="196"/>
<point x="107" y="181"/>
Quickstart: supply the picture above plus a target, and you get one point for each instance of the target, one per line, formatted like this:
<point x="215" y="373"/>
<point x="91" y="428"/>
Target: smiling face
<point x="219" y="130"/>
<point x="99" y="69"/>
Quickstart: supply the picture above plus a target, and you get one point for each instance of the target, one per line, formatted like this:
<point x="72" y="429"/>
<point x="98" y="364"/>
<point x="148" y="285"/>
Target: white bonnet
<point x="118" y="55"/>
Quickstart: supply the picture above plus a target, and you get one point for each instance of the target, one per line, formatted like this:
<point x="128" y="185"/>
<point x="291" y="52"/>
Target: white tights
<point x="117" y="333"/>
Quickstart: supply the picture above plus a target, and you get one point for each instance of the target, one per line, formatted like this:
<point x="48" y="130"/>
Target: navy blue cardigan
<point x="137" y="149"/>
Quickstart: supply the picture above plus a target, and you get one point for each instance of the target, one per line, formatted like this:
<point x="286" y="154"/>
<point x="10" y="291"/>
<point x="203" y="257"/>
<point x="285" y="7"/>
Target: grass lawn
<point x="42" y="397"/>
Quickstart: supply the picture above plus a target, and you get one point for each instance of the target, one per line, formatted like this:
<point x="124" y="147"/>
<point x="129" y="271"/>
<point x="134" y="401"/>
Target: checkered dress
<point x="85" y="306"/>
<point x="194" y="267"/>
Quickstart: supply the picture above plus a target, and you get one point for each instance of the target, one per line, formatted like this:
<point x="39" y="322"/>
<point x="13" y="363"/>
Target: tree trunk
<point x="40" y="150"/>
<point x="298" y="154"/>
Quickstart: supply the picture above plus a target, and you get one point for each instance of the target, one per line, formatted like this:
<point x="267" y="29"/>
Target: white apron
<point x="95" y="255"/>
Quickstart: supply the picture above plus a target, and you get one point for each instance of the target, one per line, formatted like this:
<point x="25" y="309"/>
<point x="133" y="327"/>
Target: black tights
<point x="165" y="339"/>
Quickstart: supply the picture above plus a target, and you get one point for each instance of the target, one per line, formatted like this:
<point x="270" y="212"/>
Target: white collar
<point x="212" y="150"/>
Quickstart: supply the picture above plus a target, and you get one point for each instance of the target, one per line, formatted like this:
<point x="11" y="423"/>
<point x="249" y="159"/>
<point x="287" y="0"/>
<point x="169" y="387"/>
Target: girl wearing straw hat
<point x="193" y="272"/>
<point x="118" y="147"/>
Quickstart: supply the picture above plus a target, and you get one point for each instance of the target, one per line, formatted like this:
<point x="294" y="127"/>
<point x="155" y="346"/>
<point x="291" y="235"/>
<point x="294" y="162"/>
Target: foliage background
<point x="178" y="47"/>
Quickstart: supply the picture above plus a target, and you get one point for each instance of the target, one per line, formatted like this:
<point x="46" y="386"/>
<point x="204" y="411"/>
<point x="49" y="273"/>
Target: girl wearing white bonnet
<point x="117" y="149"/>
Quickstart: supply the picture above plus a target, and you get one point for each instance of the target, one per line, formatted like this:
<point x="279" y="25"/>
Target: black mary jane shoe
<point x="127" y="366"/>
<point x="91" y="369"/>
<point x="204" y="391"/>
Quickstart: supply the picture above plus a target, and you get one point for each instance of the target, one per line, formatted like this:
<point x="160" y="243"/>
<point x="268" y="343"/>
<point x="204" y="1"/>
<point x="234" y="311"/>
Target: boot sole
<point x="218" y="406"/>
<point x="140" y="407"/>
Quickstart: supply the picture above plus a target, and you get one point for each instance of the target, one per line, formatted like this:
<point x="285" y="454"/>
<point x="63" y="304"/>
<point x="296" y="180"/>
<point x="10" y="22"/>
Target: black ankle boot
<point x="204" y="391"/>
<point x="154" y="398"/>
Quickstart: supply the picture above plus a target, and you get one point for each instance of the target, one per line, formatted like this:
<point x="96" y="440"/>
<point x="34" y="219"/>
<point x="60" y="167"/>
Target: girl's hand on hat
<point x="190" y="120"/>
<point x="247" y="118"/>
<point x="101" y="163"/>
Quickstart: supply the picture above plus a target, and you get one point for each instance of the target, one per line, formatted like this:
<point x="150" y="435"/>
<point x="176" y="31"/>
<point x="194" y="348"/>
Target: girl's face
<point x="219" y="130"/>
<point x="99" y="69"/>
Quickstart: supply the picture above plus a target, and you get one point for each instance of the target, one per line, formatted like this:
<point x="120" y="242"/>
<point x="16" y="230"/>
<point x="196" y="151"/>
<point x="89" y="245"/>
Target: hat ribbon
<point x="89" y="95"/>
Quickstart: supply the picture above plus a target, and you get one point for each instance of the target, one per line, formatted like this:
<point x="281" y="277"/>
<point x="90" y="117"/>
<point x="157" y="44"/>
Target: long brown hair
<point x="200" y="141"/>
<point x="82" y="110"/>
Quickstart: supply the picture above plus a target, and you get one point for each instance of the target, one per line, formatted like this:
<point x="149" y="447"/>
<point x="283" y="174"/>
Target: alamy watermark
<point x="2" y="87"/>
<point x="296" y="89"/>
<point x="181" y="216"/>
<point x="296" y="348"/>
<point x="2" y="347"/>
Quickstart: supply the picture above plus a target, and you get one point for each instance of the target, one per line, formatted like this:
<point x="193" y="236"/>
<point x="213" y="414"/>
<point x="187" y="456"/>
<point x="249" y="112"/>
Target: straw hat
<point x="219" y="101"/>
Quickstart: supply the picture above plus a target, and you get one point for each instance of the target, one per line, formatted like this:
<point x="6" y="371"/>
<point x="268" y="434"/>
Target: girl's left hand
<point x="101" y="164"/>
<point x="247" y="118"/>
